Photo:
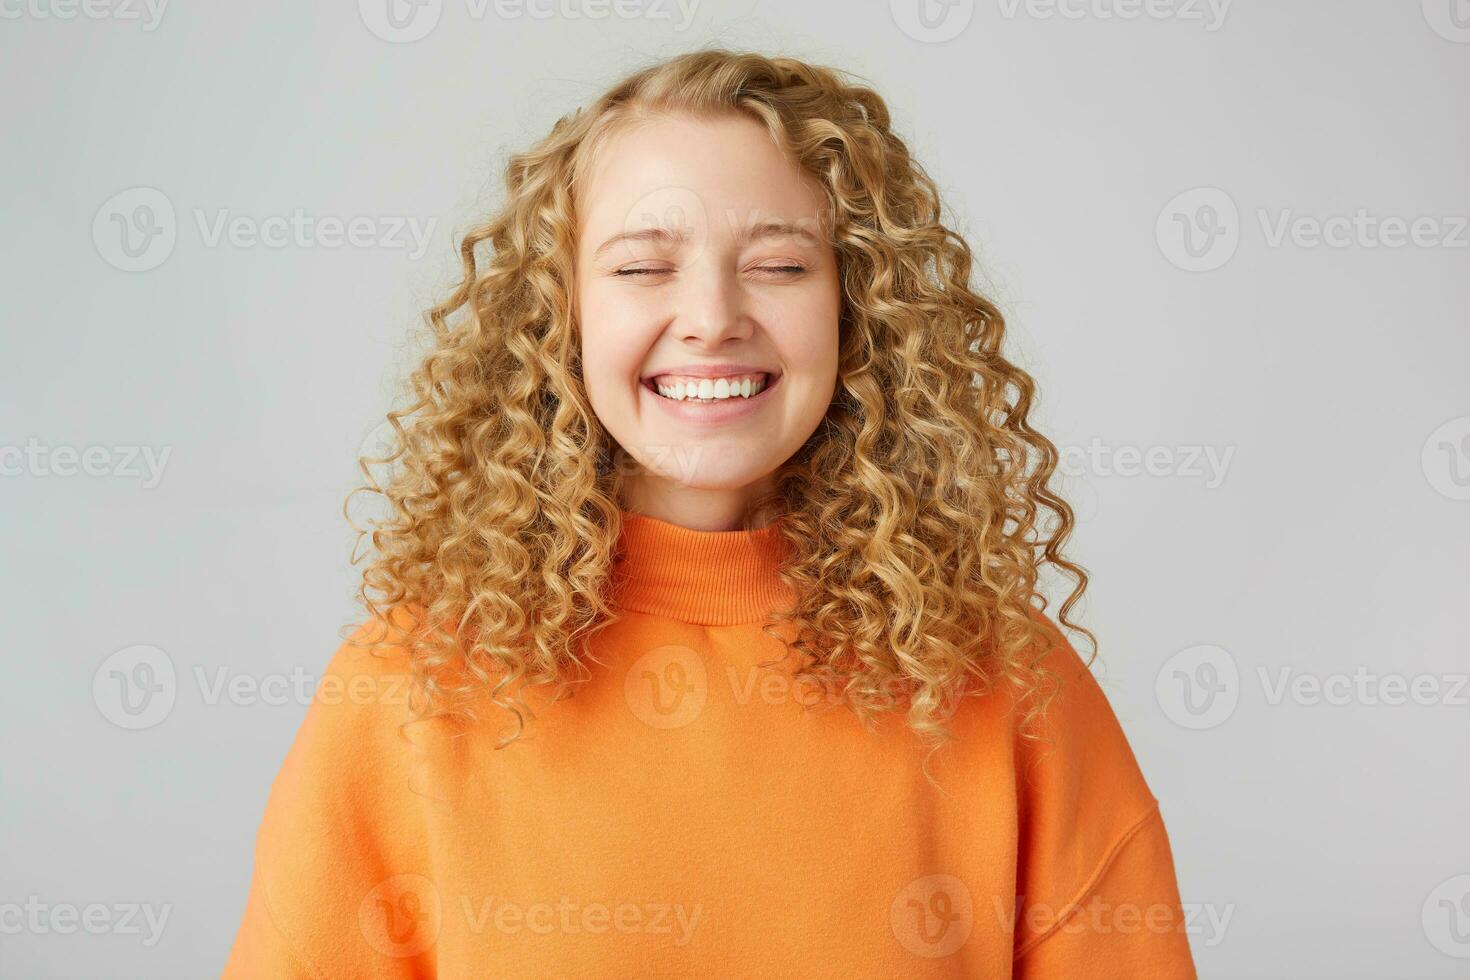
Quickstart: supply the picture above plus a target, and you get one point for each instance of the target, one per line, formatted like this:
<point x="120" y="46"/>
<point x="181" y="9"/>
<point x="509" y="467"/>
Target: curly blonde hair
<point x="917" y="517"/>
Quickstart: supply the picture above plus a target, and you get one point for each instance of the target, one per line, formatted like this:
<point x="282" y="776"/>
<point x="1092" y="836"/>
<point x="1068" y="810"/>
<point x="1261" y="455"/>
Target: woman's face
<point x="704" y="267"/>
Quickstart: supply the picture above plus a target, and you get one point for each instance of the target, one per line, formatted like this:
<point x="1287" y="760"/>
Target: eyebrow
<point x="677" y="236"/>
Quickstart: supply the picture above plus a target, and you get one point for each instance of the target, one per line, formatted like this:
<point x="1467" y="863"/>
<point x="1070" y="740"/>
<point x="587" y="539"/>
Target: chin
<point x="698" y="477"/>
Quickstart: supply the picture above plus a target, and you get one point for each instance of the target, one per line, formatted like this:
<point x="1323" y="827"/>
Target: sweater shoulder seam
<point x="1104" y="864"/>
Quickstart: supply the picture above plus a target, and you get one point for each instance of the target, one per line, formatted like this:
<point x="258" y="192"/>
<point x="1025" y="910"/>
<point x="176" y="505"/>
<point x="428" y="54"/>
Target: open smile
<point x="712" y="400"/>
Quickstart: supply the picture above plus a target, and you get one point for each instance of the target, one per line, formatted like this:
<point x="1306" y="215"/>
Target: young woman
<point x="704" y="635"/>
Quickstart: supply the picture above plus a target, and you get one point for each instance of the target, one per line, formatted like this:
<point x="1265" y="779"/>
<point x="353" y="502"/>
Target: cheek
<point x="614" y="342"/>
<point x="809" y="342"/>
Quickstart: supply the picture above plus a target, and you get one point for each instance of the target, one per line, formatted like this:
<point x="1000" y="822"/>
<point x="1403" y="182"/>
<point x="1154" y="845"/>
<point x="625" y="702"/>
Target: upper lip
<point x="710" y="370"/>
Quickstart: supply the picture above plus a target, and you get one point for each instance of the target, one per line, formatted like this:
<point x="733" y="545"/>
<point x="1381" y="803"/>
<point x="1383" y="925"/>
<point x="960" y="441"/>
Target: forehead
<point x="722" y="173"/>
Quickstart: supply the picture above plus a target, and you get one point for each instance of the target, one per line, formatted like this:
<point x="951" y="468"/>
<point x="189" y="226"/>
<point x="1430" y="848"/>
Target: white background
<point x="1329" y="541"/>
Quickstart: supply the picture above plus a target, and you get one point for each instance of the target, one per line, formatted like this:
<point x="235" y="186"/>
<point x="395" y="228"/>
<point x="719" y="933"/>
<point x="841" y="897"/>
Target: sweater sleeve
<point x="1097" y="892"/>
<point x="334" y="851"/>
<point x="261" y="948"/>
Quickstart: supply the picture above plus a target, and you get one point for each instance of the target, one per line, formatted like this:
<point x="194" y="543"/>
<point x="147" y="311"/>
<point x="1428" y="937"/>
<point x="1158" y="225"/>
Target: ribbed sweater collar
<point x="708" y="578"/>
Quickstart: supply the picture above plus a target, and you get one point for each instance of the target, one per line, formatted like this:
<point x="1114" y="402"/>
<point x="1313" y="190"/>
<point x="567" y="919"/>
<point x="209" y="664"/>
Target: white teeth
<point x="707" y="390"/>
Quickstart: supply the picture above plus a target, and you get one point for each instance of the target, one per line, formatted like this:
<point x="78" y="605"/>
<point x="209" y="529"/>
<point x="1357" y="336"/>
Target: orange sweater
<point x="683" y="815"/>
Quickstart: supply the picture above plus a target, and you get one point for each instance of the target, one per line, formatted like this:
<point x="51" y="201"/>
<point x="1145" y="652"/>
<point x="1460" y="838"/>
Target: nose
<point x="712" y="309"/>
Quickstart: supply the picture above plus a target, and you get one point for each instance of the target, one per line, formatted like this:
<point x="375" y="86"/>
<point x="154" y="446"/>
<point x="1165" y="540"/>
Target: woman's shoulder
<point x="1075" y="741"/>
<point x="1090" y="831"/>
<point x="1048" y="720"/>
<point x="353" y="721"/>
<point x="373" y="652"/>
<point x="338" y="817"/>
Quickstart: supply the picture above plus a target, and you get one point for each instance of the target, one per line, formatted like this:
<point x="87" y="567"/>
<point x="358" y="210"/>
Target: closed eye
<point x="784" y="269"/>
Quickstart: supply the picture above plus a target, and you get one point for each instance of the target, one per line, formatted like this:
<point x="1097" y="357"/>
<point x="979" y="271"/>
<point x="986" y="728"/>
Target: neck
<point x="709" y="578"/>
<point x="696" y="508"/>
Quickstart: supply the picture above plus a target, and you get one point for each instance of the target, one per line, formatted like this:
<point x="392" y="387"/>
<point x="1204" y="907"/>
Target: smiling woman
<point x="718" y="439"/>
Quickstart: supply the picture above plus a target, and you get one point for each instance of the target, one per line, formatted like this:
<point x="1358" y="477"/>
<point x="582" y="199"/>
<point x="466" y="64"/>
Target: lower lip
<point x="713" y="413"/>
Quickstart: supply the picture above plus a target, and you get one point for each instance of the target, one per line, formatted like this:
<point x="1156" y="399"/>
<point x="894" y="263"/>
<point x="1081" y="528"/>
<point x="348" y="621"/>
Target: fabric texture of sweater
<point x="686" y="813"/>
